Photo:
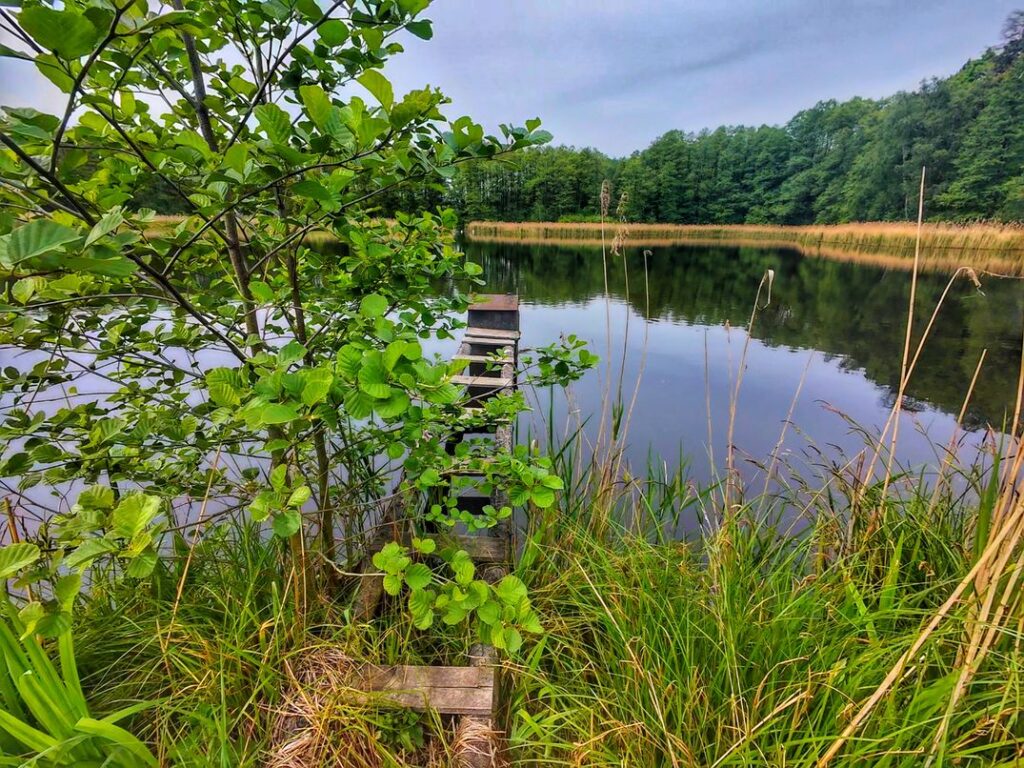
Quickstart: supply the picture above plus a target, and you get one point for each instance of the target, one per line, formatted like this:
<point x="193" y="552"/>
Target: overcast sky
<point x="615" y="74"/>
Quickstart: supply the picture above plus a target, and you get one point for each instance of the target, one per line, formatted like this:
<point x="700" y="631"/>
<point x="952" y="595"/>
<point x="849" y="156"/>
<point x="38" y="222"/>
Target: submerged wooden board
<point x="448" y="690"/>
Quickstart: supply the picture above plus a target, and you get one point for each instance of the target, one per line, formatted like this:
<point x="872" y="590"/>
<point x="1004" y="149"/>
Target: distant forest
<point x="857" y="160"/>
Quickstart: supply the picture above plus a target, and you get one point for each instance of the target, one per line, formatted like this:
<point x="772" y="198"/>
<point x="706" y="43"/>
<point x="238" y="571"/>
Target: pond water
<point x="825" y="350"/>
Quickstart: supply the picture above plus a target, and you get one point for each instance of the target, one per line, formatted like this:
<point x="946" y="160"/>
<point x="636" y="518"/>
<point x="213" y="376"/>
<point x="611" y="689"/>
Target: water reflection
<point x="842" y="322"/>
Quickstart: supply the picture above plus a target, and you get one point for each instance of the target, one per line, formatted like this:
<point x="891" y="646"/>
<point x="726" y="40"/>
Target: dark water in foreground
<point x="840" y="326"/>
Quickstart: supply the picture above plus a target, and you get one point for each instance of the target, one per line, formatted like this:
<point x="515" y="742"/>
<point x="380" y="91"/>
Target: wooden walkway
<point x="490" y="348"/>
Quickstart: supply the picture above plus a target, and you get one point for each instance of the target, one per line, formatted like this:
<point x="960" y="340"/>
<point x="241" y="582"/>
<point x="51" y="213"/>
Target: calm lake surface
<point x="837" y="326"/>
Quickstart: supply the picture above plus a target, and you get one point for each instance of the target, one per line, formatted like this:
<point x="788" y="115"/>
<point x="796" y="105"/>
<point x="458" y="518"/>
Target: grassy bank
<point x="989" y="247"/>
<point x="865" y="616"/>
<point x="745" y="644"/>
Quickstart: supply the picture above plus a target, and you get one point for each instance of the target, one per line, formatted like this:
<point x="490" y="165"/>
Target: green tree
<point x="232" y="355"/>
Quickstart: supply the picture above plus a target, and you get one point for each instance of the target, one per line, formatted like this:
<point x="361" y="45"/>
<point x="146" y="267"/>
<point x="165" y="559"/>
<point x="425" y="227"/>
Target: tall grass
<point x="858" y="621"/>
<point x="996" y="248"/>
<point x="847" y="620"/>
<point x="751" y="647"/>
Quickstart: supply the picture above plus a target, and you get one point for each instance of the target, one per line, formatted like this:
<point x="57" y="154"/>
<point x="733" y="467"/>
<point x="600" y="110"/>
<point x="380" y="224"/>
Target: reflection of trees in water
<point x="840" y="308"/>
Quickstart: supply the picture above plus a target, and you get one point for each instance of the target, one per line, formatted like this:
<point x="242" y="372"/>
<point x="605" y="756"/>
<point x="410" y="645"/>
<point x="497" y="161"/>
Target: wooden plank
<point x="492" y="333"/>
<point x="448" y="690"/>
<point x="495" y="302"/>
<point x="482" y="382"/>
<point x="484" y="548"/>
<point x="495" y="359"/>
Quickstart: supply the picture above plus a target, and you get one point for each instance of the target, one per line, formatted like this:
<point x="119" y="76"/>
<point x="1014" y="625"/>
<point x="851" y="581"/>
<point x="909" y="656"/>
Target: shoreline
<point x="988" y="248"/>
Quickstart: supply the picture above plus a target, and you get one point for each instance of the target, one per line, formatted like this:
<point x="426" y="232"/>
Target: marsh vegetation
<point x="204" y="418"/>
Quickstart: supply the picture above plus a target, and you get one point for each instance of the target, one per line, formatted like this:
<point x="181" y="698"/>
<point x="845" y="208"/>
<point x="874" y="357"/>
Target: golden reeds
<point x="986" y="247"/>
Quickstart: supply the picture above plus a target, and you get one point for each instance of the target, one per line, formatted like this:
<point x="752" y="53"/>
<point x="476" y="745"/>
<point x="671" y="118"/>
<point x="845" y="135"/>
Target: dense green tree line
<point x="856" y="160"/>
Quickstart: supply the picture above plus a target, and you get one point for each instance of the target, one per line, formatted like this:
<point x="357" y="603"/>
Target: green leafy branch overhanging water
<point x="226" y="334"/>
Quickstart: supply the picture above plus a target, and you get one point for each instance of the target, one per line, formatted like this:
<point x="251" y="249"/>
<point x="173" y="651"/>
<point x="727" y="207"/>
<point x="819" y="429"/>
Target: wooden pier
<point x="490" y="348"/>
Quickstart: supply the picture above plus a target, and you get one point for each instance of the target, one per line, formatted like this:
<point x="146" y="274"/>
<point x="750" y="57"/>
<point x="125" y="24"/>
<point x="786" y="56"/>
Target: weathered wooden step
<point x="488" y="383"/>
<point x="483" y="549"/>
<point x="448" y="690"/>
<point x="496" y="360"/>
<point x="501" y="334"/>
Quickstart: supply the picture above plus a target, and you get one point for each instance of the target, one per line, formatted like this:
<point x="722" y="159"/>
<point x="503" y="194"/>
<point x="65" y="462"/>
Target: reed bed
<point x="997" y="248"/>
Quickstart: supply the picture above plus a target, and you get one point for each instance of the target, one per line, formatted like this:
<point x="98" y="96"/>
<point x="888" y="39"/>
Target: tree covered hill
<point x="856" y="160"/>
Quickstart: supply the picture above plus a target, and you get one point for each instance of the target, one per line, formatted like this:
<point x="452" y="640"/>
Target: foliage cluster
<point x="226" y="362"/>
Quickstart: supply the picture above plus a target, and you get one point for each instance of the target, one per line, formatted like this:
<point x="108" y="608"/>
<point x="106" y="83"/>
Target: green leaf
<point x="489" y="612"/>
<point x="113" y="266"/>
<point x="314" y="190"/>
<point x="299" y="496"/>
<point x="358" y="404"/>
<point x="421" y="606"/>
<point x="455" y="614"/>
<point x="317" y="383"/>
<point x="425" y="546"/>
<point x="317" y="102"/>
<point x="349" y="358"/>
<point x="9" y="52"/>
<point x="88" y="551"/>
<point x="66" y="33"/>
<point x="309" y="10"/>
<point x="110" y="221"/>
<point x="275" y="122"/>
<point x="261" y="291"/>
<point x="373" y="378"/>
<point x="23" y="290"/>
<point x="542" y="496"/>
<point x="260" y="507"/>
<point x="422" y="29"/>
<point x="553" y="481"/>
<point x="392" y="584"/>
<point x="278" y="476"/>
<point x="32" y="738"/>
<point x="372" y="306"/>
<point x="286" y="523"/>
<point x="397" y="404"/>
<point x="333" y="32"/>
<point x="379" y="86"/>
<point x="14" y="557"/>
<point x="134" y="513"/>
<point x="142" y="565"/>
<point x="66" y="589"/>
<point x="511" y="590"/>
<point x="531" y="623"/>
<point x="97" y="497"/>
<point x="513" y="640"/>
<point x="107" y="731"/>
<point x="37" y="237"/>
<point x="105" y="430"/>
<point x="278" y="413"/>
<point x="462" y="565"/>
<point x="222" y="386"/>
<point x="418" y="576"/>
<point x="290" y="353"/>
<point x="446" y="394"/>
